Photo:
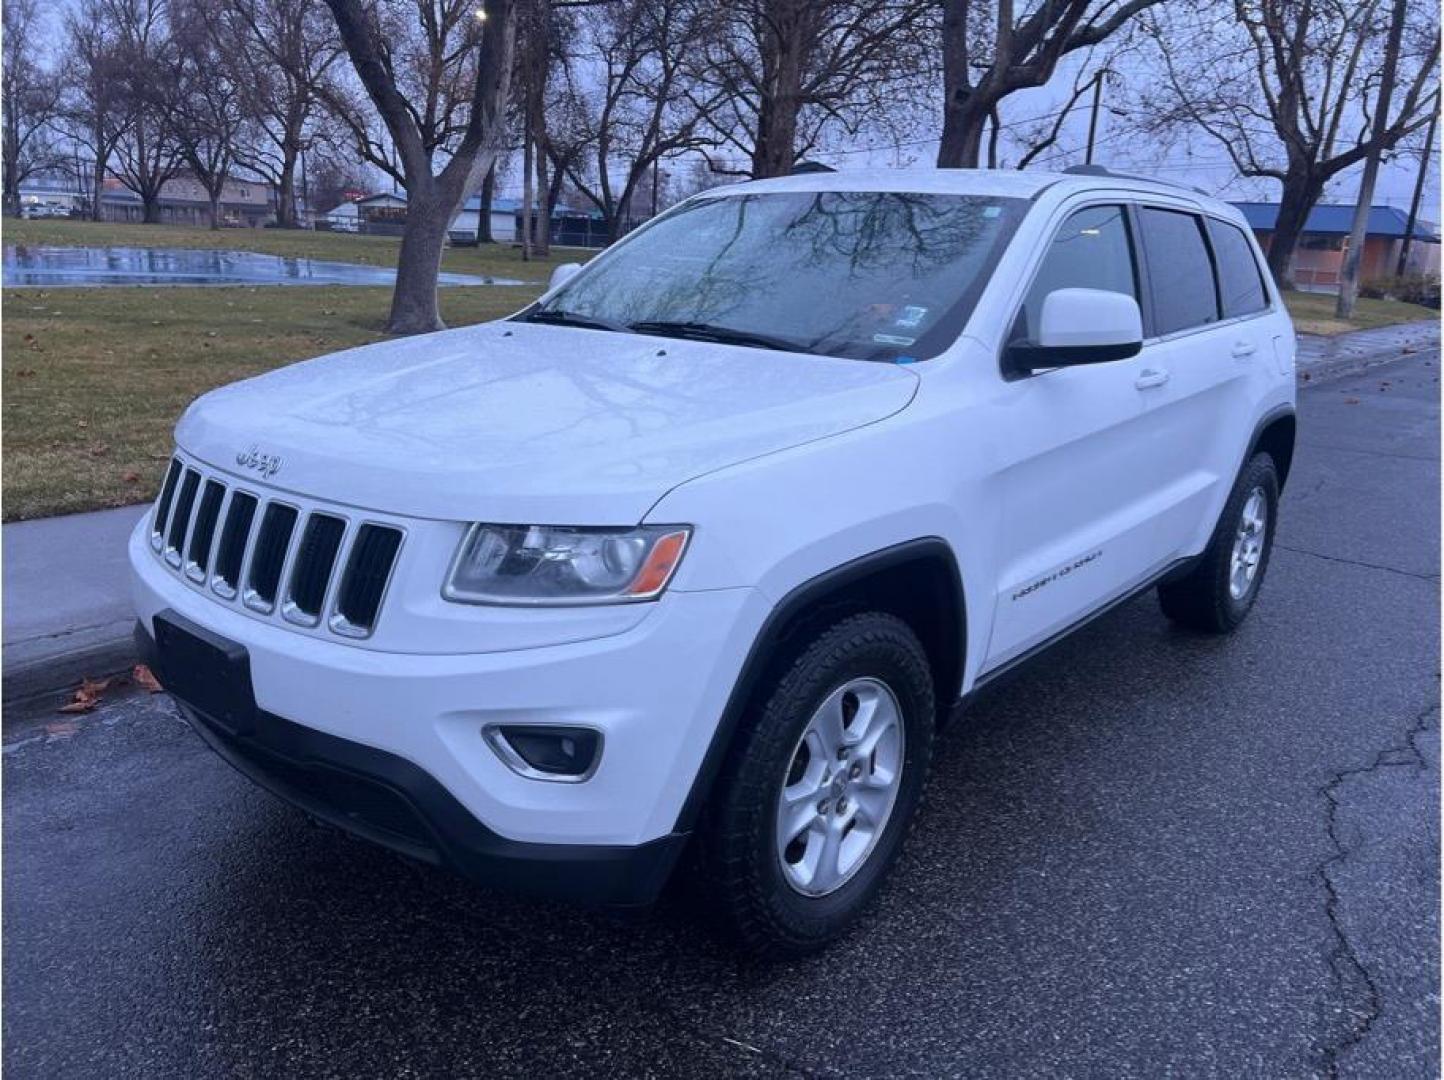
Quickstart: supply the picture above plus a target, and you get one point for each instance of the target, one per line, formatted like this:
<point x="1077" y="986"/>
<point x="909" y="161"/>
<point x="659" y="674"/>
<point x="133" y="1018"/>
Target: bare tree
<point x="991" y="50"/>
<point x="31" y="96"/>
<point x="92" y="107"/>
<point x="1286" y="86"/>
<point x="778" y="73"/>
<point x="148" y="154"/>
<point x="642" y="106"/>
<point x="539" y="33"/>
<point x="438" y="76"/>
<point x="279" y="54"/>
<point x="207" y="110"/>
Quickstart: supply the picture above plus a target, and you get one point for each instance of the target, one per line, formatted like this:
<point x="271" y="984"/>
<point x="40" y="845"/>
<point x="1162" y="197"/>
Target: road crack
<point x="1358" y="562"/>
<point x="1351" y="973"/>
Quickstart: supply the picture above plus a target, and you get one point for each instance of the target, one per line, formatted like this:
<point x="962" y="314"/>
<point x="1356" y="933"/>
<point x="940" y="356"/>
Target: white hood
<point x="521" y="423"/>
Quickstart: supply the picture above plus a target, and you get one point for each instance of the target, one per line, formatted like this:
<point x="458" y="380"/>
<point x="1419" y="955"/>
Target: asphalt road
<point x="1153" y="854"/>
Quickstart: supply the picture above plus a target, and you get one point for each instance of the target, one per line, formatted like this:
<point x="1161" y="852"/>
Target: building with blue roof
<point x="1319" y="257"/>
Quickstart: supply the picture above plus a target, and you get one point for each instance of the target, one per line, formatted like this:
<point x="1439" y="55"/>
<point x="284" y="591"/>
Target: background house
<point x="183" y="201"/>
<point x="1319" y="258"/>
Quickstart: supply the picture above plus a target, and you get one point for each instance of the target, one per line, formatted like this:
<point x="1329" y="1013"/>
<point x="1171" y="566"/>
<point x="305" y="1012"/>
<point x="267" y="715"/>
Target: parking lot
<point x="1152" y="853"/>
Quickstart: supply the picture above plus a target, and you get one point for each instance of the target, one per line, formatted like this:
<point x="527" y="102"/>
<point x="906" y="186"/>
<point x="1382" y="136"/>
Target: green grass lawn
<point x="497" y="260"/>
<point x="1313" y="313"/>
<point x="94" y="379"/>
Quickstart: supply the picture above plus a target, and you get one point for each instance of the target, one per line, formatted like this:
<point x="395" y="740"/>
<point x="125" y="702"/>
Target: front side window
<point x="1180" y="273"/>
<point x="1091" y="251"/>
<point x="1240" y="282"/>
<point x="866" y="275"/>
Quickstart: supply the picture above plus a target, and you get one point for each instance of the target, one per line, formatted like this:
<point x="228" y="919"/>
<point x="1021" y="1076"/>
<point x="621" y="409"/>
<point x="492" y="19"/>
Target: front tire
<point x="1220" y="590"/>
<point x="820" y="787"/>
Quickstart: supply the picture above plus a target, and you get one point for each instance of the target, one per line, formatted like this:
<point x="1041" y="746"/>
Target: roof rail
<point x="1099" y="170"/>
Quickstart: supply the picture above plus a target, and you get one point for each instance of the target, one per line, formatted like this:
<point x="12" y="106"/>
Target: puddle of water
<point x="59" y="267"/>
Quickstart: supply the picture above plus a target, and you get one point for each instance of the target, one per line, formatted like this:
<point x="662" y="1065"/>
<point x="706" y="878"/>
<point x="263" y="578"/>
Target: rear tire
<point x="1220" y="590"/>
<point x="820" y="787"/>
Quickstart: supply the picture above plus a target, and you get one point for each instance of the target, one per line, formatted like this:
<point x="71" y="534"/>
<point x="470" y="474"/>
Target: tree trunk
<point x="792" y="27"/>
<point x="775" y="149"/>
<point x="413" y="305"/>
<point x="97" y="182"/>
<point x="151" y="202"/>
<point x="483" y="214"/>
<point x="526" y="207"/>
<point x="286" y="191"/>
<point x="215" y="211"/>
<point x="965" y="113"/>
<point x="1299" y="195"/>
<point x="542" y="240"/>
<point x="962" y="142"/>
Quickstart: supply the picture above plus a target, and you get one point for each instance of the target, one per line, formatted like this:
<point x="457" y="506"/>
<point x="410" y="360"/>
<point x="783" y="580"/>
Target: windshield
<point x="870" y="275"/>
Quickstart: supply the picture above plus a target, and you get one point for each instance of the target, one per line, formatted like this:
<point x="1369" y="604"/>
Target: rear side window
<point x="1090" y="251"/>
<point x="1240" y="282"/>
<point x="1180" y="273"/>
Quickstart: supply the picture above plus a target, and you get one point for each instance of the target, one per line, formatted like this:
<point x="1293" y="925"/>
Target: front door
<point x="1077" y="501"/>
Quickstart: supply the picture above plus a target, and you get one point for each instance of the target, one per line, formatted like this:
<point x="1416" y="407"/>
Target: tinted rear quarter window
<point x="1240" y="282"/>
<point x="1180" y="273"/>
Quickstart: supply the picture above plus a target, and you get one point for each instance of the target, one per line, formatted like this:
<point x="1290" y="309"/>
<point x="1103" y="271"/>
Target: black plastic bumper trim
<point x="419" y="817"/>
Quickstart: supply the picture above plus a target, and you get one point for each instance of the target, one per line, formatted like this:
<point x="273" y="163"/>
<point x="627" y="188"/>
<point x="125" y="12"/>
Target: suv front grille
<point x="312" y="567"/>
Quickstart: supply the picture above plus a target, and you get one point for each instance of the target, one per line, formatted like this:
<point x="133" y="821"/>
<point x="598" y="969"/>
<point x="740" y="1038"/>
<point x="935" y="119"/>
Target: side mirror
<point x="562" y="274"/>
<point x="1080" y="326"/>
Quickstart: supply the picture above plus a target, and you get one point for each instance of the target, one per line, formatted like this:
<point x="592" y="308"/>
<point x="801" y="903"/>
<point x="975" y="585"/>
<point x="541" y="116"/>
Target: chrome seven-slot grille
<point x="313" y="567"/>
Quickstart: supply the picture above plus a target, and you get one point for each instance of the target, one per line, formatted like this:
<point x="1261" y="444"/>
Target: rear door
<point x="1206" y="293"/>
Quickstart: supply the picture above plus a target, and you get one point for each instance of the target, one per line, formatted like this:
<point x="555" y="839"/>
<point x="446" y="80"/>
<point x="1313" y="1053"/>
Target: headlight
<point x="539" y="564"/>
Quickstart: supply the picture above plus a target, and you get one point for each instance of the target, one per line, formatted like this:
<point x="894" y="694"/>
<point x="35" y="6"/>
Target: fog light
<point x="547" y="752"/>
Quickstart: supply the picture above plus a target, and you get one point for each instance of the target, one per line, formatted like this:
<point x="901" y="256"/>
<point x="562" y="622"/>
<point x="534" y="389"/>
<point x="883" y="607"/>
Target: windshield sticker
<point x="911" y="316"/>
<point x="892" y="339"/>
<point x="992" y="211"/>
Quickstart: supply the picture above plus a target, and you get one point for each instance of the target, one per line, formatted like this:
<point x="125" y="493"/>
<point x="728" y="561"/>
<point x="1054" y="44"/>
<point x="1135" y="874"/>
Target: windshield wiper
<point x="557" y="317"/>
<point x="723" y="334"/>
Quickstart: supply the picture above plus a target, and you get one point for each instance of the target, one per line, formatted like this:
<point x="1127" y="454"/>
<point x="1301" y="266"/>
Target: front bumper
<point x="399" y="735"/>
<point x="391" y="802"/>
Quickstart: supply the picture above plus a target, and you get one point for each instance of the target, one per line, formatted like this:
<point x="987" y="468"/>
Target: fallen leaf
<point x="146" y="680"/>
<point x="1351" y="401"/>
<point x="130" y="477"/>
<point x="87" y="695"/>
<point x="1307" y="376"/>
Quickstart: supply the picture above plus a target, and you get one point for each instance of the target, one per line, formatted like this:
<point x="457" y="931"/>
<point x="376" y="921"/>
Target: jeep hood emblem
<point x="268" y="465"/>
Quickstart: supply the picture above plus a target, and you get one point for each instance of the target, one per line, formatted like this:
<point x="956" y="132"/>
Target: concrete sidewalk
<point x="67" y="603"/>
<point x="67" y="611"/>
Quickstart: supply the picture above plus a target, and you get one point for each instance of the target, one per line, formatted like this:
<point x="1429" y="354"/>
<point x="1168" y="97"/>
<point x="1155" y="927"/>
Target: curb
<point x="53" y="666"/>
<point x="1325" y="371"/>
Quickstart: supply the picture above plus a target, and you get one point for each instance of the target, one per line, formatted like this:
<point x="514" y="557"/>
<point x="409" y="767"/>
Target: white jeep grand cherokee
<point x="699" y="550"/>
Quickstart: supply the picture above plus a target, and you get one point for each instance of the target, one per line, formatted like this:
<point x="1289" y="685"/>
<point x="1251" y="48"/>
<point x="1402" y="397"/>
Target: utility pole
<point x="1418" y="192"/>
<point x="1353" y="258"/>
<point x="1093" y="117"/>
